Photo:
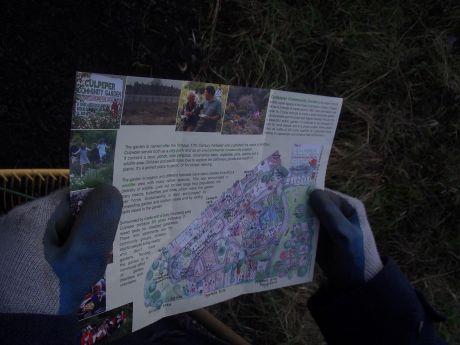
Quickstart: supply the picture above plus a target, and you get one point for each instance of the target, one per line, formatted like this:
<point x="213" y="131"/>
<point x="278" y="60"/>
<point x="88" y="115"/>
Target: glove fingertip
<point x="318" y="198"/>
<point x="98" y="219"/>
<point x="343" y="202"/>
<point x="107" y="195"/>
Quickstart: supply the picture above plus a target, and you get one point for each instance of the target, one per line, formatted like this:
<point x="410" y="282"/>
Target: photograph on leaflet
<point x="98" y="101"/>
<point x="94" y="301"/>
<point x="106" y="327"/>
<point x="92" y="156"/>
<point x="201" y="107"/>
<point x="246" y="110"/>
<point x="150" y="101"/>
<point x="77" y="198"/>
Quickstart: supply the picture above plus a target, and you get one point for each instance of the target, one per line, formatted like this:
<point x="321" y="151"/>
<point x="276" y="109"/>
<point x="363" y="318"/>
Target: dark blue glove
<point x="346" y="250"/>
<point x="46" y="262"/>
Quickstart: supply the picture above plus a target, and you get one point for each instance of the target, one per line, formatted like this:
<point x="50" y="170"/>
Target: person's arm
<point x="48" y="262"/>
<point x="182" y="111"/>
<point x="366" y="301"/>
<point x="218" y="112"/>
<point x="196" y="111"/>
<point x="213" y="117"/>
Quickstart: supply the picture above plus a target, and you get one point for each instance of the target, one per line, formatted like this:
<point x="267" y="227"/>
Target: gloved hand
<point x="346" y="249"/>
<point x="47" y="263"/>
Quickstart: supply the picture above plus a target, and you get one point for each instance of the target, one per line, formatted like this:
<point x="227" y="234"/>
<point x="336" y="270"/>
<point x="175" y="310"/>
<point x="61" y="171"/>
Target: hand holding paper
<point x="51" y="261"/>
<point x="346" y="250"/>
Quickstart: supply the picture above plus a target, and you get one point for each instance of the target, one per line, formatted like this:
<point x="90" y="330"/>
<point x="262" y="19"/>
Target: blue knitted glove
<point x="346" y="250"/>
<point x="46" y="262"/>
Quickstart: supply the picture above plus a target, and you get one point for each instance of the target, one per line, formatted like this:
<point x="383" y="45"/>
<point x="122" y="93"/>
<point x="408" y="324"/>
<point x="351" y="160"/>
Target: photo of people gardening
<point x="201" y="107"/>
<point x="91" y="158"/>
<point x="98" y="101"/>
<point x="104" y="328"/>
<point x="246" y="110"/>
<point x="150" y="101"/>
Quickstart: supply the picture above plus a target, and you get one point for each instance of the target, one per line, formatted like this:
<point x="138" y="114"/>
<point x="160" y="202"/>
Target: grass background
<point x="397" y="145"/>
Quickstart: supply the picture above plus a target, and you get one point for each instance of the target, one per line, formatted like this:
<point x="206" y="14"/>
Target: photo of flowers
<point x="98" y="101"/>
<point x="246" y="110"/>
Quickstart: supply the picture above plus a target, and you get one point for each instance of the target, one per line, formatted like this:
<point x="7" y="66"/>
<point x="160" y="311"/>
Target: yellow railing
<point x="20" y="185"/>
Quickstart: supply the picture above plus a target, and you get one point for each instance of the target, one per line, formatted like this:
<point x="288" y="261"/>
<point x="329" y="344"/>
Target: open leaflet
<point x="215" y="181"/>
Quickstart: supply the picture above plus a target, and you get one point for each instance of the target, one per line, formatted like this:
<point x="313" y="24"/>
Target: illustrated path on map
<point x="259" y="228"/>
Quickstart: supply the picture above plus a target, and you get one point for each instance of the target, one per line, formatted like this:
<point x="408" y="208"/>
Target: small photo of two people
<point x="201" y="107"/>
<point x="91" y="158"/>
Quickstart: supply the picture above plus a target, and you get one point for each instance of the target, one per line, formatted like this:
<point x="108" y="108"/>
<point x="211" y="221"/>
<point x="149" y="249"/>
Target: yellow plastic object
<point x="21" y="185"/>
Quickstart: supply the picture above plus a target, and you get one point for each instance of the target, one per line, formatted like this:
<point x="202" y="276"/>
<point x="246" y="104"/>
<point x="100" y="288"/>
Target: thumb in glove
<point x="347" y="252"/>
<point x="46" y="262"/>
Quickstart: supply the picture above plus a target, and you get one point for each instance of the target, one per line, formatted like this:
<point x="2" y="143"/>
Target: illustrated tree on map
<point x="259" y="228"/>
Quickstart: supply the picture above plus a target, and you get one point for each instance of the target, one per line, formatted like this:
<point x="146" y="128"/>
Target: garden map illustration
<point x="259" y="230"/>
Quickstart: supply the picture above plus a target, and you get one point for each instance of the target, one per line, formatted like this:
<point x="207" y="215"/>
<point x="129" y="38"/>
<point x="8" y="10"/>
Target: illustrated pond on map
<point x="260" y="228"/>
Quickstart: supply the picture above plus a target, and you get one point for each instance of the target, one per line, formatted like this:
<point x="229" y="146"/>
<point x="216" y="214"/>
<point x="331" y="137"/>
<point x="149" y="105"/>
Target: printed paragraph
<point x="139" y="239"/>
<point x="170" y="156"/>
<point x="300" y="116"/>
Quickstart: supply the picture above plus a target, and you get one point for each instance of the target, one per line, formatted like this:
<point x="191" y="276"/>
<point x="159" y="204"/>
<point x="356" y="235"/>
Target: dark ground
<point x="397" y="147"/>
